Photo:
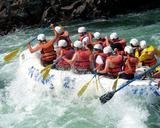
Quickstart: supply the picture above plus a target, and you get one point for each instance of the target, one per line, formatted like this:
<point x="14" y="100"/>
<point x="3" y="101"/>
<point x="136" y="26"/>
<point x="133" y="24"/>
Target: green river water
<point x="22" y="109"/>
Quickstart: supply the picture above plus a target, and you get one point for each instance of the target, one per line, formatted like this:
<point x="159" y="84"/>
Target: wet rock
<point x="16" y="13"/>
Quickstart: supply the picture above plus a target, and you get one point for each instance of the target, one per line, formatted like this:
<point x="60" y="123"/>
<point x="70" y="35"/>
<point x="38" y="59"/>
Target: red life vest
<point x="83" y="60"/>
<point x="116" y="62"/>
<point x="65" y="36"/>
<point x="132" y="64"/>
<point x="68" y="53"/>
<point x="48" y="54"/>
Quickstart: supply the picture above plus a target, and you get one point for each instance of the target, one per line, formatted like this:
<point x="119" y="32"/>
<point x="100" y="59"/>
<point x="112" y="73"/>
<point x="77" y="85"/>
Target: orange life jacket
<point x="68" y="53"/>
<point x="116" y="62"/>
<point x="83" y="60"/>
<point x="131" y="67"/>
<point x="48" y="54"/>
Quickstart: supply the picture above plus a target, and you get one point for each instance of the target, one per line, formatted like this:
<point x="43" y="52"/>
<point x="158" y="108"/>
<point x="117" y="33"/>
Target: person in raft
<point x="83" y="33"/>
<point x="99" y="57"/>
<point x="134" y="43"/>
<point x="113" y="63"/>
<point x="116" y="43"/>
<point x="148" y="54"/>
<point x="62" y="35"/>
<point x="64" y="51"/>
<point x="82" y="60"/>
<point x="100" y="40"/>
<point x="130" y="64"/>
<point x="48" y="54"/>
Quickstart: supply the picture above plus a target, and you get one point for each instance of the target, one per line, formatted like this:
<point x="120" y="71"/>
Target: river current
<point x="28" y="109"/>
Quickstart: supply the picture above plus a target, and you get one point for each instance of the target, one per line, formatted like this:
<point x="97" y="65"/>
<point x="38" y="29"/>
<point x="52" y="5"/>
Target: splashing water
<point x="22" y="107"/>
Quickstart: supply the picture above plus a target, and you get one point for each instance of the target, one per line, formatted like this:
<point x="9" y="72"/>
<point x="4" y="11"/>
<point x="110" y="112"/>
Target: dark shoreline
<point x="20" y="13"/>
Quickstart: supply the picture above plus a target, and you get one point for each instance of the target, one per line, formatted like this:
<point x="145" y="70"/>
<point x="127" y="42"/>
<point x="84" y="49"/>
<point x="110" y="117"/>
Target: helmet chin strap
<point x="42" y="41"/>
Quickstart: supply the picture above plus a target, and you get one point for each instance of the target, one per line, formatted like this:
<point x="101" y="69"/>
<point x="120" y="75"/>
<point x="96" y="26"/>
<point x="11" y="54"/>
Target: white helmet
<point x="143" y="44"/>
<point x="98" y="46"/>
<point x="97" y="35"/>
<point x="81" y="29"/>
<point x="85" y="40"/>
<point x="107" y="50"/>
<point x="134" y="42"/>
<point x="114" y="35"/>
<point x="128" y="49"/>
<point x="58" y="29"/>
<point x="62" y="43"/>
<point x="41" y="37"/>
<point x="78" y="44"/>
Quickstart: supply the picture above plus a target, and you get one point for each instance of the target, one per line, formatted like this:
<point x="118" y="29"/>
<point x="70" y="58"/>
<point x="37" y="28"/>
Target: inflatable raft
<point x="59" y="80"/>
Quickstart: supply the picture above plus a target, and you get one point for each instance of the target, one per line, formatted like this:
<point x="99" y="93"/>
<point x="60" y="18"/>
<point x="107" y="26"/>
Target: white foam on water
<point x="23" y="105"/>
<point x="123" y="112"/>
<point x="30" y="105"/>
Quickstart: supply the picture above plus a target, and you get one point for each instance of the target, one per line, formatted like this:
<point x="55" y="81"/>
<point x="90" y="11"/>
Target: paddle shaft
<point x="33" y="39"/>
<point x="137" y="77"/>
<point x="50" y="21"/>
<point x="84" y="87"/>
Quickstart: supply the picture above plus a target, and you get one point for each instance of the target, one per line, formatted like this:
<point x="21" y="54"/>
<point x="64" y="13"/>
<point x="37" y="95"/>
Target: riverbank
<point x="19" y="13"/>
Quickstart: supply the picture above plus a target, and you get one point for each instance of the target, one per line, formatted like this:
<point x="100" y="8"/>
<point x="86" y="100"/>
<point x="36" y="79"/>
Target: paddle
<point x="115" y="83"/>
<point x="97" y="80"/>
<point x="107" y="96"/>
<point x="45" y="71"/>
<point x="85" y="86"/>
<point x="12" y="54"/>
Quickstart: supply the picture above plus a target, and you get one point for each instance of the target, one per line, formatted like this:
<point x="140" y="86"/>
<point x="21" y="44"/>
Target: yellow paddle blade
<point x="46" y="71"/>
<point x="48" y="66"/>
<point x="97" y="88"/>
<point x="11" y="55"/>
<point x="115" y="83"/>
<point x="83" y="89"/>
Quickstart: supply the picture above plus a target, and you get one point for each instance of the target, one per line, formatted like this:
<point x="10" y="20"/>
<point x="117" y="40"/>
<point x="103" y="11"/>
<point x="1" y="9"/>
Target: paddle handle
<point x="33" y="39"/>
<point x="137" y="77"/>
